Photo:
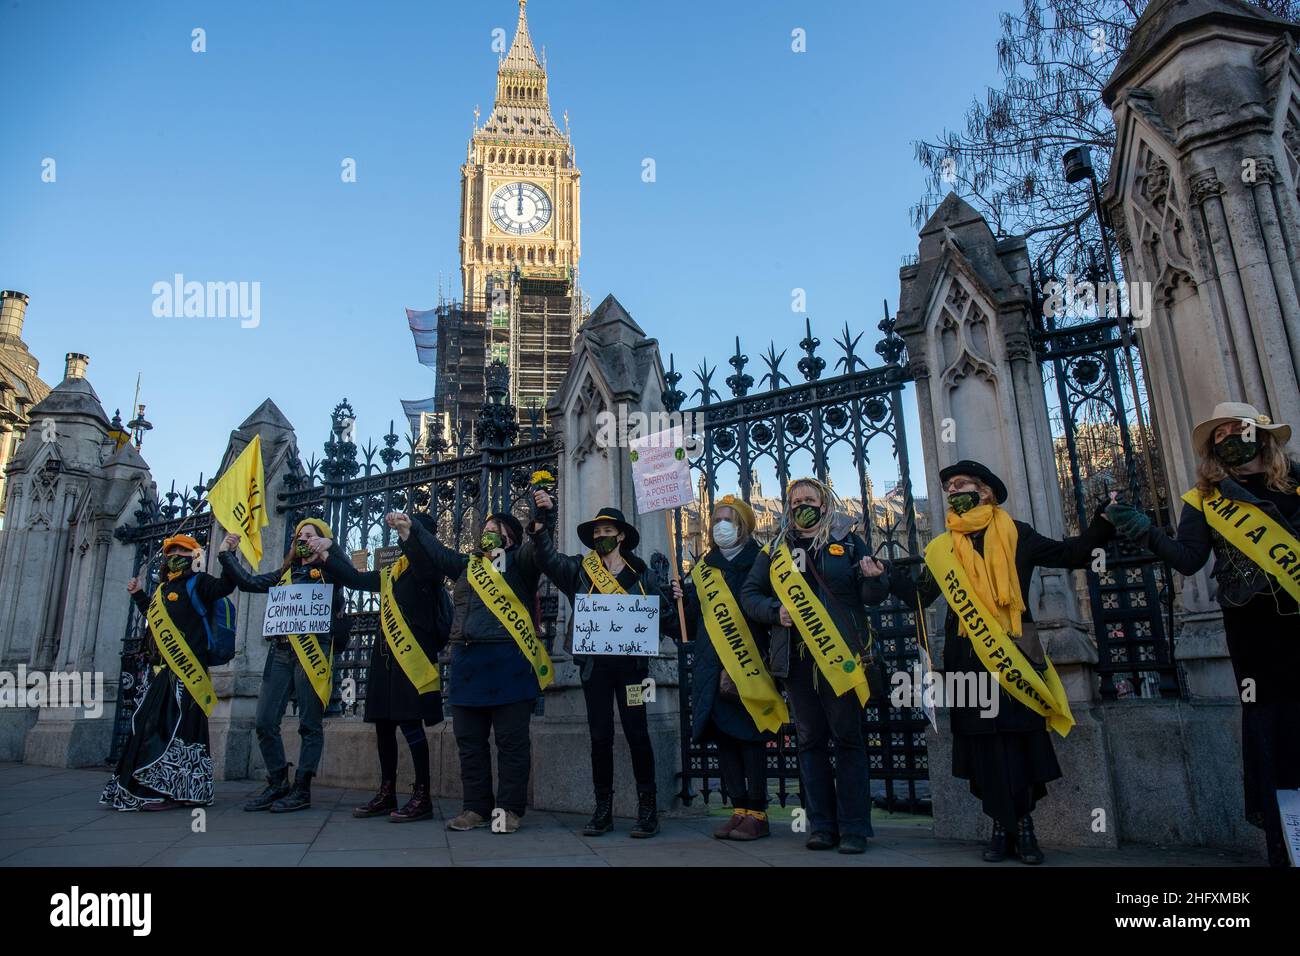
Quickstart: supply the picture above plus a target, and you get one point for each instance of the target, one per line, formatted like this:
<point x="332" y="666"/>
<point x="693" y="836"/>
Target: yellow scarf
<point x="993" y="574"/>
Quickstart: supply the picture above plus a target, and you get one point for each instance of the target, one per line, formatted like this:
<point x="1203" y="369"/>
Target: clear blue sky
<point x="776" y="170"/>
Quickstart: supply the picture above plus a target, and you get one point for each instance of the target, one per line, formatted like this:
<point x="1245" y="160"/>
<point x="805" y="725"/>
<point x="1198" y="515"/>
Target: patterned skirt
<point x="167" y="756"/>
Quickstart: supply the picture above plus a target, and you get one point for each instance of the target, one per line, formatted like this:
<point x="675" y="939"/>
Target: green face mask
<point x="605" y="545"/>
<point x="179" y="562"/>
<point x="490" y="541"/>
<point x="963" y="501"/>
<point x="302" y="549"/>
<point x="1234" y="451"/>
<point x="805" y="516"/>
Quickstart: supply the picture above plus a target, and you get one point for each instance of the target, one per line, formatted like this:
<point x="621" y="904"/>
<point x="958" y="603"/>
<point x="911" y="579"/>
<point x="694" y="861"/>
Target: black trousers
<point x="743" y="764"/>
<point x="510" y="723"/>
<point x="386" y="736"/>
<point x="610" y="678"/>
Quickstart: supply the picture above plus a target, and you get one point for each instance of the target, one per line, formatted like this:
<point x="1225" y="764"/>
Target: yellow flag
<point x="238" y="501"/>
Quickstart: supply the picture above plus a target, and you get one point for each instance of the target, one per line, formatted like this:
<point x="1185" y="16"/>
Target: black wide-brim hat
<point x="973" y="469"/>
<point x="511" y="522"/>
<point x="631" y="537"/>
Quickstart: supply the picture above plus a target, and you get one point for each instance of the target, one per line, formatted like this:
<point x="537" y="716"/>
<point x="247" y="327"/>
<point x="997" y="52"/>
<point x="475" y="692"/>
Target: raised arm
<point x="873" y="588"/>
<point x="234" y="572"/>
<point x="563" y="569"/>
<point x="343" y="572"/>
<point x="908" y="589"/>
<point x="212" y="588"/>
<point x="1187" y="553"/>
<point x="445" y="561"/>
<point x="1075" y="552"/>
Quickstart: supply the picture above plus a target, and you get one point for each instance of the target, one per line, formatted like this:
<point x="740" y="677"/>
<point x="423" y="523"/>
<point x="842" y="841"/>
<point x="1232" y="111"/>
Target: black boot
<point x="419" y="807"/>
<point x="299" y="798"/>
<point x="997" y="849"/>
<point x="602" y="821"/>
<point x="1026" y="843"/>
<point x="647" y="815"/>
<point x="382" y="803"/>
<point x="277" y="786"/>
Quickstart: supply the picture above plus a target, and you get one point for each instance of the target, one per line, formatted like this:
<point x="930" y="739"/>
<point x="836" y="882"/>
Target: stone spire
<point x="1164" y="19"/>
<point x="522" y="108"/>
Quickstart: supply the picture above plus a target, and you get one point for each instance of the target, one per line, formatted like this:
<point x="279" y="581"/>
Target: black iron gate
<point x="458" y="482"/>
<point x="825" y="427"/>
<point x="1097" y="448"/>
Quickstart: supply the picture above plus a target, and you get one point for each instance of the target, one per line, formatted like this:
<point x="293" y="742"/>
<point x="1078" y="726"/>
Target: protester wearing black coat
<point x="837" y="797"/>
<point x="392" y="700"/>
<point x="167" y="761"/>
<point x="609" y="682"/>
<point x="493" y="684"/>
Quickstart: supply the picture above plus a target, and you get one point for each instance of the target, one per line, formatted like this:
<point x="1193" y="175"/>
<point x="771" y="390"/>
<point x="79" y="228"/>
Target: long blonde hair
<point x="821" y="532"/>
<point x="1277" y="467"/>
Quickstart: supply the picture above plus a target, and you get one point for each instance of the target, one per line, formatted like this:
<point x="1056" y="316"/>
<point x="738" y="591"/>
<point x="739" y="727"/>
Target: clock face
<point x="520" y="209"/>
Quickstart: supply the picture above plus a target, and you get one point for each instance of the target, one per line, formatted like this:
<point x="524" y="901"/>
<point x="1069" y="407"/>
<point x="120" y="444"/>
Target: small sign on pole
<point x="661" y="475"/>
<point x="298" y="609"/>
<point x="661" y="478"/>
<point x="620" y="624"/>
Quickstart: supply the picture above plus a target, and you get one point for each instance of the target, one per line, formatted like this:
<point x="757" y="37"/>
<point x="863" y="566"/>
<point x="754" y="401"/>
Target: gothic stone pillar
<point x="964" y="314"/>
<point x="615" y="370"/>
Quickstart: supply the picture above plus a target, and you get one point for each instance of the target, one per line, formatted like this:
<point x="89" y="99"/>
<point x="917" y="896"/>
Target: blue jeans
<point x="283" y="674"/>
<point x="837" y="800"/>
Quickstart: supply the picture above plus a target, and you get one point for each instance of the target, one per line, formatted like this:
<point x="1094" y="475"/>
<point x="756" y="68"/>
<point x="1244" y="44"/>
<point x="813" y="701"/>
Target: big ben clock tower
<point x="519" y="228"/>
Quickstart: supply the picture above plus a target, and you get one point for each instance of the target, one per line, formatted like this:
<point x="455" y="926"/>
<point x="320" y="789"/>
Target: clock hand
<point x="521" y="200"/>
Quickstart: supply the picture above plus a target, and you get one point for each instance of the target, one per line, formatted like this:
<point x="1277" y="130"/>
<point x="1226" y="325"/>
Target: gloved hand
<point x="1128" y="521"/>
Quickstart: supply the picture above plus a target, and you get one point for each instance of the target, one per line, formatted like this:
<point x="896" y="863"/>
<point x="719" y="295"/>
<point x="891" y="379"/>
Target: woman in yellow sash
<point x="821" y="563"/>
<point x="609" y="682"/>
<point x="494" y="683"/>
<point x="718" y="713"/>
<point x="1004" y="751"/>
<point x="284" y="672"/>
<point x="1243" y="469"/>
<point x="166" y="762"/>
<point x="392" y="700"/>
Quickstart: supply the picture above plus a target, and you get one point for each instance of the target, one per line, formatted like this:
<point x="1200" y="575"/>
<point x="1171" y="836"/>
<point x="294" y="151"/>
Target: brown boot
<point x="725" y="831"/>
<point x="753" y="827"/>
<point x="385" y="801"/>
<point x="419" y="807"/>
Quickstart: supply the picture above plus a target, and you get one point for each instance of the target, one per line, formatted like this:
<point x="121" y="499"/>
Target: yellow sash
<point x="499" y="598"/>
<point x="837" y="662"/>
<point x="1270" y="546"/>
<point x="176" y="652"/>
<point x="600" y="576"/>
<point x="993" y="645"/>
<point x="316" y="662"/>
<point x="734" y="643"/>
<point x="422" y="672"/>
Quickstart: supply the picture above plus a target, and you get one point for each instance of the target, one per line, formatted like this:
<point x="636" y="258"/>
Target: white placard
<point x="298" y="609"/>
<point x="661" y="475"/>
<point x="1288" y="805"/>
<point x="624" y="624"/>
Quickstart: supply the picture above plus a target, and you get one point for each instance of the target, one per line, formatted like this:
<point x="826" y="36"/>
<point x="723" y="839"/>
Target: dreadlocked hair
<point x="820" y="532"/>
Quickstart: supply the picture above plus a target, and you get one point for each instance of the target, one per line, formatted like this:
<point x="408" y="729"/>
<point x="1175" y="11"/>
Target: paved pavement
<point x="50" y="817"/>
